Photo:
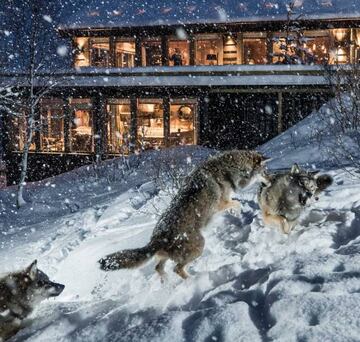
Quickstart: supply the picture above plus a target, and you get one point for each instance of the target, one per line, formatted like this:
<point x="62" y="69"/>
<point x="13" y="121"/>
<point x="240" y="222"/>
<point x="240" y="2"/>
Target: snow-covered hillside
<point x="251" y="284"/>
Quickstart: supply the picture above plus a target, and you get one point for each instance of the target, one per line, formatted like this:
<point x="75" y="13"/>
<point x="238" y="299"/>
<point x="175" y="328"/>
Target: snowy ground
<point x="251" y="284"/>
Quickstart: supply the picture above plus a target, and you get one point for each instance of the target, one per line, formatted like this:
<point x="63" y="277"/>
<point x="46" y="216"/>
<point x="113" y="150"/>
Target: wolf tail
<point x="128" y="258"/>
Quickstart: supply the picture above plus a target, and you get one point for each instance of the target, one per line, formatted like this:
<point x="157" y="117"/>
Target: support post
<point x="166" y="106"/>
<point x="280" y="112"/>
<point x="203" y="119"/>
<point x="164" y="51"/>
<point x="67" y="124"/>
<point x="133" y="123"/>
<point x="269" y="47"/>
<point x="112" y="43"/>
<point x="138" y="51"/>
<point x="192" y="49"/>
<point x="99" y="123"/>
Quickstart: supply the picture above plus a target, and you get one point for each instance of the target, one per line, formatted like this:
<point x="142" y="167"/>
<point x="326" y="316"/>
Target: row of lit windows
<point x="319" y="47"/>
<point x="149" y="125"/>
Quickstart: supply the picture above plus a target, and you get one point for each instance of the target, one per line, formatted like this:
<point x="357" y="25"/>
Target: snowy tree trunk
<point x="24" y="161"/>
<point x="32" y="102"/>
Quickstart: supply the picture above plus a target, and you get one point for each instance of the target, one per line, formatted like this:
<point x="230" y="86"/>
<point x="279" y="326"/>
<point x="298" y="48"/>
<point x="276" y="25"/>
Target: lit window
<point x="209" y="50"/>
<point x="118" y="125"/>
<point x="178" y="52"/>
<point x="125" y="53"/>
<point x="254" y="48"/>
<point x="100" y="52"/>
<point x="52" y="125"/>
<point x="20" y="133"/>
<point x="150" y="123"/>
<point x="316" y="47"/>
<point x="81" y="126"/>
<point x="151" y="52"/>
<point x="82" y="52"/>
<point x="182" y="122"/>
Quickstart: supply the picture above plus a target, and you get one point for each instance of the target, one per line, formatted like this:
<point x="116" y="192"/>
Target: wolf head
<point x="256" y="168"/>
<point x="31" y="286"/>
<point x="311" y="182"/>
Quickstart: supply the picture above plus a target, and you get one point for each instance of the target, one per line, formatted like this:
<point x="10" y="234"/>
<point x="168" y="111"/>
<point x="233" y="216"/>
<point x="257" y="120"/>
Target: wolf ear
<point x="32" y="270"/>
<point x="313" y="173"/>
<point x="295" y="169"/>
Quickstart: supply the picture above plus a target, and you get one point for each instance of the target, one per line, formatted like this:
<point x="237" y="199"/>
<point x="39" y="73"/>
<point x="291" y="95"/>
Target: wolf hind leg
<point x="190" y="250"/>
<point x="180" y="270"/>
<point x="159" y="268"/>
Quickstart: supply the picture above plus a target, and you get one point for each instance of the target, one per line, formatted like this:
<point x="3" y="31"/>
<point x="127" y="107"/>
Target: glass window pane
<point x="179" y="52"/>
<point x="182" y="122"/>
<point x="82" y="53"/>
<point x="52" y="125"/>
<point x="20" y="134"/>
<point x="208" y="49"/>
<point x="151" y="52"/>
<point x="82" y="139"/>
<point x="125" y="54"/>
<point x="119" y="125"/>
<point x="100" y="52"/>
<point x="254" y="51"/>
<point x="150" y="123"/>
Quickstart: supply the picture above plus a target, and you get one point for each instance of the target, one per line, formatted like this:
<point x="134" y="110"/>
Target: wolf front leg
<point x="277" y="221"/>
<point x="230" y="204"/>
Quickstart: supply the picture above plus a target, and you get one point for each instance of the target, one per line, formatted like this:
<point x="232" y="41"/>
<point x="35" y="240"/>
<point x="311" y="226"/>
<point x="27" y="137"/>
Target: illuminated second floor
<point x="312" y="47"/>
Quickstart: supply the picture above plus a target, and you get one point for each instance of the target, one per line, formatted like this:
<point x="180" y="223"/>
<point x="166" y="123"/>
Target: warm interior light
<point x="357" y="34"/>
<point x="81" y="41"/>
<point x="147" y="107"/>
<point x="339" y="34"/>
<point x="341" y="56"/>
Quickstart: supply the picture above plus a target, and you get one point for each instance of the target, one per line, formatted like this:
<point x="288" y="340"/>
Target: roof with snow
<point x="130" y="13"/>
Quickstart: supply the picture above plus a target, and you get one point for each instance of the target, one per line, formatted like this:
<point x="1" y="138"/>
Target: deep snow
<point x="251" y="284"/>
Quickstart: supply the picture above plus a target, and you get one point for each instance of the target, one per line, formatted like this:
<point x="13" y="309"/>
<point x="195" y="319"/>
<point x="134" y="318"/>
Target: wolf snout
<point x="56" y="289"/>
<point x="104" y="264"/>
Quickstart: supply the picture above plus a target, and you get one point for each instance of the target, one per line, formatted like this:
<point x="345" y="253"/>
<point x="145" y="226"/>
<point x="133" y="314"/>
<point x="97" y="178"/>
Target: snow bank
<point x="314" y="142"/>
<point x="252" y="283"/>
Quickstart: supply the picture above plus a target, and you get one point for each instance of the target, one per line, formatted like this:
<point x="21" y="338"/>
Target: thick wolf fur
<point x="20" y="292"/>
<point x="207" y="190"/>
<point x="285" y="196"/>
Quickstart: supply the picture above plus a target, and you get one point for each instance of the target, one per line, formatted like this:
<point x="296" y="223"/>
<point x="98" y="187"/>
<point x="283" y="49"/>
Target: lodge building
<point x="220" y="82"/>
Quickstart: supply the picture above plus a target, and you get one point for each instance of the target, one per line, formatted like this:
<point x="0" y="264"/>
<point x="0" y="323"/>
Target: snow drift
<point x="252" y="283"/>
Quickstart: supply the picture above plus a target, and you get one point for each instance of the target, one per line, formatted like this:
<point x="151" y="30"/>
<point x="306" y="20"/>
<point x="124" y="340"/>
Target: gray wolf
<point x="285" y="196"/>
<point x="206" y="191"/>
<point x="20" y="292"/>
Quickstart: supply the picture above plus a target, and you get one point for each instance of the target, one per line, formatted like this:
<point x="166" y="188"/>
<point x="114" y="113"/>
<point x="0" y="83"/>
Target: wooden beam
<point x="133" y="123"/>
<point x="192" y="49"/>
<point x="99" y="126"/>
<point x="138" y="51"/>
<point x="164" y="50"/>
<point x="280" y="112"/>
<point x="166" y="107"/>
<point x="67" y="124"/>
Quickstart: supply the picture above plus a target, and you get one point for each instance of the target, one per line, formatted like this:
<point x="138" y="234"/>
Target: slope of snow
<point x="252" y="283"/>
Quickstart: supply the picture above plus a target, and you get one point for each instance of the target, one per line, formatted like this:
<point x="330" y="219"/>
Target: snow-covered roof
<point x="129" y="13"/>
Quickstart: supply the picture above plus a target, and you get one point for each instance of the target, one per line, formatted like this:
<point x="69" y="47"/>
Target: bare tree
<point x="292" y="46"/>
<point x="342" y="120"/>
<point x="32" y="83"/>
